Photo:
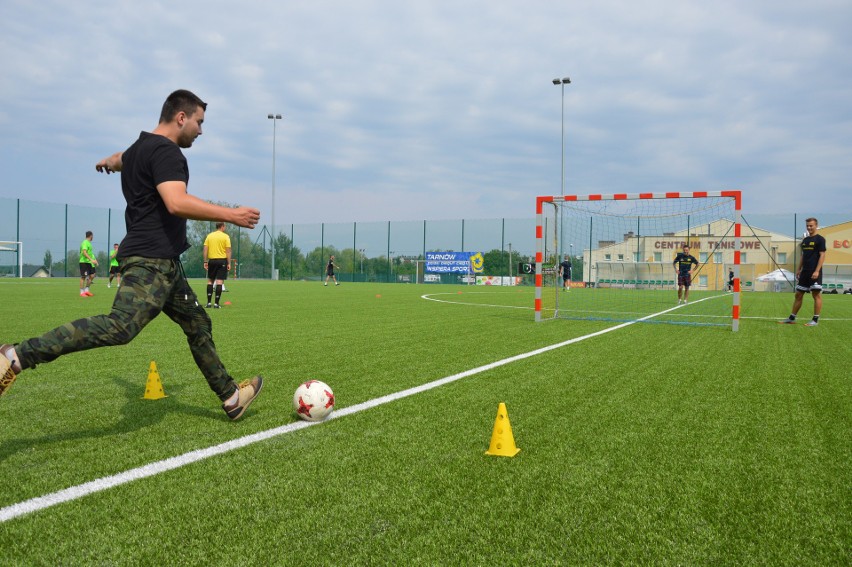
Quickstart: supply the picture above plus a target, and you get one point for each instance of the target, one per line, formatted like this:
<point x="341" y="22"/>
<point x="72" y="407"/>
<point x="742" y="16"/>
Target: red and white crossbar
<point x="736" y="195"/>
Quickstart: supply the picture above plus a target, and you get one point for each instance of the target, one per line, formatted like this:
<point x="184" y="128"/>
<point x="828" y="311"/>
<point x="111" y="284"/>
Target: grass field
<point x="649" y="444"/>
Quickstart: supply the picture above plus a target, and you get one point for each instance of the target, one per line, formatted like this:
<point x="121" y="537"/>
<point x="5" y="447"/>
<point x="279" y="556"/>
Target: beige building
<point x="646" y="260"/>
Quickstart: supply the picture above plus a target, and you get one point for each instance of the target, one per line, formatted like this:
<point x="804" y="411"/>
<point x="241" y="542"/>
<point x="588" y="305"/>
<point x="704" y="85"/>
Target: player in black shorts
<point x="329" y="271"/>
<point x="809" y="274"/>
<point x="683" y="263"/>
<point x="565" y="272"/>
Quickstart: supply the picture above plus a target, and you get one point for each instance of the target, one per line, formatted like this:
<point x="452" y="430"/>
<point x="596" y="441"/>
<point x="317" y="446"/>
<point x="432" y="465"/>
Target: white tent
<point x="779" y="275"/>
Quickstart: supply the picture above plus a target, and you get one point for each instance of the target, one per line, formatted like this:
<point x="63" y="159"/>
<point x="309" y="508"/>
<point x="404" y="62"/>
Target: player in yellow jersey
<point x="217" y="262"/>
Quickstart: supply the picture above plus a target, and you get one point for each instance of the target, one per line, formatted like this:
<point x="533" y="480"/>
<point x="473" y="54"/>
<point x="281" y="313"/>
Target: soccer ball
<point x="313" y="400"/>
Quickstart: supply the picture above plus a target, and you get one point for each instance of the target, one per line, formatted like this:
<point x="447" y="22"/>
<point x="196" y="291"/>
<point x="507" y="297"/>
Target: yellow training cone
<point x="154" y="387"/>
<point x="502" y="441"/>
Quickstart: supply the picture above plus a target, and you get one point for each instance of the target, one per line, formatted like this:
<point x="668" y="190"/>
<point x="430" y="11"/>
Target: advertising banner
<point x="454" y="262"/>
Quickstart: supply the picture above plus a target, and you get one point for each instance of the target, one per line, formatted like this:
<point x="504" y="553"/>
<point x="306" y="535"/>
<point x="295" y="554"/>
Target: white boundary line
<point x="75" y="492"/>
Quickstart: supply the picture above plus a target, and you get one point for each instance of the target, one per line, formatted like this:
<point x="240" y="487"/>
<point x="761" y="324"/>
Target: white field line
<point x="429" y="297"/>
<point x="75" y="492"/>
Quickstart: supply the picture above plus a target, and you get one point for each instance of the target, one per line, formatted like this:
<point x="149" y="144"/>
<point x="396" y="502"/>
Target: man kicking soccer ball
<point x="154" y="177"/>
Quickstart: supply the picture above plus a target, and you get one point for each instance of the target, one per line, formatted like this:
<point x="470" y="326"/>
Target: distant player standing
<point x="113" y="267"/>
<point x="565" y="272"/>
<point x="329" y="271"/>
<point x="809" y="274"/>
<point x="217" y="261"/>
<point x="87" y="265"/>
<point x="683" y="263"/>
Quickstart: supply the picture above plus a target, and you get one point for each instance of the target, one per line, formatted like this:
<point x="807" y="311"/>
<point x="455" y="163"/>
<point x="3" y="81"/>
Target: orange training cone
<point x="502" y="441"/>
<point x="154" y="387"/>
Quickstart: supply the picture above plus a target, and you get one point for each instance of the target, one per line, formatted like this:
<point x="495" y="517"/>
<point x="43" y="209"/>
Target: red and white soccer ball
<point x="313" y="400"/>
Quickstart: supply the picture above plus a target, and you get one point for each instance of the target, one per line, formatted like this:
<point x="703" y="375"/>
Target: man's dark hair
<point x="180" y="101"/>
<point x="88" y="233"/>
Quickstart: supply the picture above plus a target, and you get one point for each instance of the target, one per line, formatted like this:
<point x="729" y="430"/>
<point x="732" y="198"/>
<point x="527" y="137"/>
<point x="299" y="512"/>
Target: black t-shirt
<point x="684" y="262"/>
<point x="152" y="231"/>
<point x="566" y="268"/>
<point x="811" y="247"/>
<point x="329" y="269"/>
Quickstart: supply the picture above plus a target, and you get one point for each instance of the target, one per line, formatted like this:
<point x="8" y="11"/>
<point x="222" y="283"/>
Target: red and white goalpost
<point x="626" y="244"/>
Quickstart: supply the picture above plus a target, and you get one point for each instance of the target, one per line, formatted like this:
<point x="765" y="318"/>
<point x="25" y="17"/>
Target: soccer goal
<point x="622" y="249"/>
<point x="11" y="259"/>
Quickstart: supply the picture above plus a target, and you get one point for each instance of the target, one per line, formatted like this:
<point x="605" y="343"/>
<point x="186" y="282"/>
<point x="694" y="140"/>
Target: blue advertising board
<point x="454" y="262"/>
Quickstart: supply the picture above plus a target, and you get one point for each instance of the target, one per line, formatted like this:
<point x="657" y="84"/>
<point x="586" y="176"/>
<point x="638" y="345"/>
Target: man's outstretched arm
<point x="110" y="164"/>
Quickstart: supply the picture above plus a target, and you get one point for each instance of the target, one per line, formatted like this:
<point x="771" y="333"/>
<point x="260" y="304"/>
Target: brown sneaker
<point x="10" y="367"/>
<point x="249" y="389"/>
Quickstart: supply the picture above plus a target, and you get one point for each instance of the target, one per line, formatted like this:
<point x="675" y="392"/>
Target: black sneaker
<point x="216" y="306"/>
<point x="249" y="389"/>
<point x="209" y="305"/>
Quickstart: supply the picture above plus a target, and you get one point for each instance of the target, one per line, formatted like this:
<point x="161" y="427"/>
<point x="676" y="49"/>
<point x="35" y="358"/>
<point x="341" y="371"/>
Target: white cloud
<point x="407" y="110"/>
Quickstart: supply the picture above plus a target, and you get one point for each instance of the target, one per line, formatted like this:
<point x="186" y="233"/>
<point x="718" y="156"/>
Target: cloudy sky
<point x="409" y="110"/>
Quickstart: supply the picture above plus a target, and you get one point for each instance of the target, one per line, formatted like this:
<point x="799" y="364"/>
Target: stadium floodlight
<point x="564" y="81"/>
<point x="631" y="241"/>
<point x="275" y="118"/>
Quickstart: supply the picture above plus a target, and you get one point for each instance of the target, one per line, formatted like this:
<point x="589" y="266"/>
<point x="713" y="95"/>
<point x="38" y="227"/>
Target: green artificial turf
<point x="651" y="444"/>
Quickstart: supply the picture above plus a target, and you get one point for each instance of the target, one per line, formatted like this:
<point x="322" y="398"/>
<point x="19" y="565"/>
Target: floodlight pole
<point x="275" y="118"/>
<point x="563" y="81"/>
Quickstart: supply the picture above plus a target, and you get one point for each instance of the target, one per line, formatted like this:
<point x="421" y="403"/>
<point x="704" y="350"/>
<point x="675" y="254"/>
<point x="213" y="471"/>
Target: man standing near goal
<point x="809" y="274"/>
<point x="87" y="265"/>
<point x="154" y="177"/>
<point x="217" y="261"/>
<point x="683" y="264"/>
<point x="565" y="272"/>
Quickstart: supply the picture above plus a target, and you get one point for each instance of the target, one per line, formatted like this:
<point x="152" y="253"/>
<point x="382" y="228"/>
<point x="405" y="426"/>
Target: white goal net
<point x="620" y="252"/>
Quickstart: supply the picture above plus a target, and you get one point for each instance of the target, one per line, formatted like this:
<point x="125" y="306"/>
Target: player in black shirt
<point x="683" y="263"/>
<point x="154" y="177"/>
<point x="809" y="274"/>
<point x="329" y="271"/>
<point x="565" y="272"/>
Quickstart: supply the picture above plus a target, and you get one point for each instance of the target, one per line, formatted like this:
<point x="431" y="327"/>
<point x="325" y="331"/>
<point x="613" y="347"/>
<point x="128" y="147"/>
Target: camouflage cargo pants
<point x="148" y="286"/>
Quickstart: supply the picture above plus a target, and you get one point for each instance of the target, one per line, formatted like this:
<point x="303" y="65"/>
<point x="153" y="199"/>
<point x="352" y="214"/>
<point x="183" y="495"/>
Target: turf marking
<point x="75" y="492"/>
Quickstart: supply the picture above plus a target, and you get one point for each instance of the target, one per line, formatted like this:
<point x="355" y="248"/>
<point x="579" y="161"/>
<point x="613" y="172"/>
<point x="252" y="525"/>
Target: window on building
<point x="621" y="257"/>
<point x="702" y="257"/>
<point x="702" y="281"/>
<point x="658" y="256"/>
<point x="636" y="257"/>
<point x="717" y="257"/>
<point x="782" y="257"/>
<point x="743" y="258"/>
<point x="608" y="257"/>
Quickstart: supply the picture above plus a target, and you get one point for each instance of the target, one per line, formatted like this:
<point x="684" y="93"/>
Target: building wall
<point x="761" y="252"/>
